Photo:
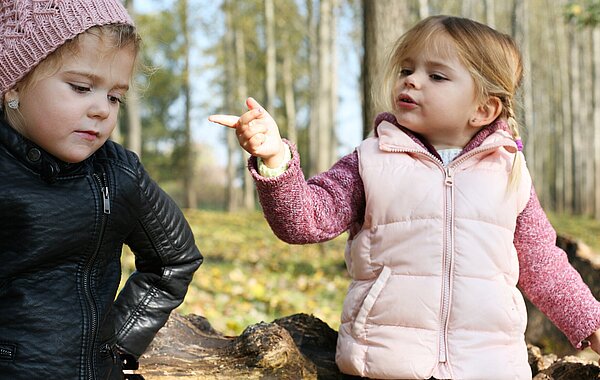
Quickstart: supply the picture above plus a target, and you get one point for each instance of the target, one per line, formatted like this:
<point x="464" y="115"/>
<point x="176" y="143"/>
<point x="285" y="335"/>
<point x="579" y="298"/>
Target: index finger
<point x="226" y="120"/>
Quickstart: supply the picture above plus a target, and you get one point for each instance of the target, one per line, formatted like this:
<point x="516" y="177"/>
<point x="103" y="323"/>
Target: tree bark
<point x="576" y="120"/>
<point x="290" y="97"/>
<point x="325" y="87"/>
<point x="313" y="57"/>
<point x="423" y="9"/>
<point x="596" y="118"/>
<point x="383" y="22"/>
<point x="271" y="63"/>
<point x="230" y="100"/>
<point x="189" y="189"/>
<point x="249" y="199"/>
<point x="520" y="18"/>
<point x="134" y="120"/>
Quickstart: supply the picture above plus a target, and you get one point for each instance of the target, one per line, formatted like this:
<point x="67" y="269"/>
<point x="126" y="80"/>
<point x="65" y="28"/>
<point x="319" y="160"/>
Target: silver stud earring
<point x="13" y="104"/>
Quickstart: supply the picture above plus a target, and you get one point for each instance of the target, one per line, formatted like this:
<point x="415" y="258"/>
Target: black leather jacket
<point x="62" y="227"/>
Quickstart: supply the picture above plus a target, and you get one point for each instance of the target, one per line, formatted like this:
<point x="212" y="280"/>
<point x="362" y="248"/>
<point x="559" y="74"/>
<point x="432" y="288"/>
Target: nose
<point x="100" y="107"/>
<point x="412" y="81"/>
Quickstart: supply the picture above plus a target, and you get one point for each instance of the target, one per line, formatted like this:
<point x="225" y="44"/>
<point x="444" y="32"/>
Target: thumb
<point x="252" y="104"/>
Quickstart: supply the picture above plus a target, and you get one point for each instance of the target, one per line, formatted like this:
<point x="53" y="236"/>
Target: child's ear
<point x="13" y="93"/>
<point x="486" y="113"/>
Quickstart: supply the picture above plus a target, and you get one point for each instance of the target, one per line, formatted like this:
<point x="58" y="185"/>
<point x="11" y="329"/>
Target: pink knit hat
<point x="32" y="29"/>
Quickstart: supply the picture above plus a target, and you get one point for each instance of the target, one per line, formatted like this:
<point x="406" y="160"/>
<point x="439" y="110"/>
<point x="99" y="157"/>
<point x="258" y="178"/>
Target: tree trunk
<point x="134" y="120"/>
<point x="423" y="9"/>
<point x="586" y="156"/>
<point x="576" y="119"/>
<point x="188" y="150"/>
<point x="323" y="96"/>
<point x="290" y="101"/>
<point x="231" y="102"/>
<point x="564" y="174"/>
<point x="596" y="118"/>
<point x="242" y="92"/>
<point x="468" y="9"/>
<point x="383" y="22"/>
<point x="490" y="16"/>
<point x="520" y="25"/>
<point x="568" y="111"/>
<point x="314" y="123"/>
<point x="333" y="99"/>
<point x="271" y="62"/>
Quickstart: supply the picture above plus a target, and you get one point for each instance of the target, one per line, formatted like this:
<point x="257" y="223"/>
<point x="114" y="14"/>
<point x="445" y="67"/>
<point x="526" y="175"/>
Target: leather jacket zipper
<point x="87" y="275"/>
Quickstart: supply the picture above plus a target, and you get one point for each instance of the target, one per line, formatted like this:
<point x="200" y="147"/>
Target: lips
<point x="405" y="98"/>
<point x="404" y="101"/>
<point x="88" y="135"/>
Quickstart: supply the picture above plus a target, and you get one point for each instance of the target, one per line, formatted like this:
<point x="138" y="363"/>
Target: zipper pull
<point x="105" y="193"/>
<point x="106" y="199"/>
<point x="449" y="181"/>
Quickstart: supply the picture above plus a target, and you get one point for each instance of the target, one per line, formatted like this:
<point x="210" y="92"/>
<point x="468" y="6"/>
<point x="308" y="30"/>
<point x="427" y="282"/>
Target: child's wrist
<point x="279" y="158"/>
<point x="277" y="165"/>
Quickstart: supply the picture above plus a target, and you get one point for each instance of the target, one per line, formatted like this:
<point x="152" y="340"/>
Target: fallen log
<point x="299" y="346"/>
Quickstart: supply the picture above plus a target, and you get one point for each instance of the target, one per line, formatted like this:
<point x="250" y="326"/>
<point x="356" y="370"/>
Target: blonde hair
<point x="492" y="58"/>
<point x="120" y="35"/>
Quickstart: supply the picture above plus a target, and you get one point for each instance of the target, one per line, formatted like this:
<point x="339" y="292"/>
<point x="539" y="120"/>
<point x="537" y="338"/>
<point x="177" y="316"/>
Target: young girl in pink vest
<point x="443" y="220"/>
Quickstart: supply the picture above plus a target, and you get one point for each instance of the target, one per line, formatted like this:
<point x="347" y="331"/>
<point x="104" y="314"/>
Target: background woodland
<point x="203" y="57"/>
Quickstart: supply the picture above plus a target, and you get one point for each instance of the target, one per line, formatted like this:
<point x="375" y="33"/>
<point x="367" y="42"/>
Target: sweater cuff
<point x="268" y="172"/>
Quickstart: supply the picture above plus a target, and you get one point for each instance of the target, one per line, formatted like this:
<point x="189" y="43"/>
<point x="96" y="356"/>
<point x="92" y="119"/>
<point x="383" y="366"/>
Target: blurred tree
<point x="187" y="153"/>
<point x="326" y="38"/>
<point x="133" y="138"/>
<point x="383" y="22"/>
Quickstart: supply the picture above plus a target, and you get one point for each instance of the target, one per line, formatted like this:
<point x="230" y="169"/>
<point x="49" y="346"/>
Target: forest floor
<point x="250" y="276"/>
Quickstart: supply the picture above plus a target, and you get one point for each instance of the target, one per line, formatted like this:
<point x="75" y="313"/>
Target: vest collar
<point x="392" y="135"/>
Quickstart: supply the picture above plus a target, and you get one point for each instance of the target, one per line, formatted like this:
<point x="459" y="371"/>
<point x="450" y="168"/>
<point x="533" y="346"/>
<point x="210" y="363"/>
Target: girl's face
<point x="72" y="112"/>
<point x="434" y="96"/>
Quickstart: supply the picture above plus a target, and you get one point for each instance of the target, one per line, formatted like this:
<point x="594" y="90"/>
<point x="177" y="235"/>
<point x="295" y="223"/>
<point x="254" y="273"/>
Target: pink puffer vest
<point x="434" y="268"/>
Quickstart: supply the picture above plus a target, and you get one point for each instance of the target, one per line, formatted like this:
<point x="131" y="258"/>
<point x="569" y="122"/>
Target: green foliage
<point x="581" y="228"/>
<point x="161" y="86"/>
<point x="583" y="12"/>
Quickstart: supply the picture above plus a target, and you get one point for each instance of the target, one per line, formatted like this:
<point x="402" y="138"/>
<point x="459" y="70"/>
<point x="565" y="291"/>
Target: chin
<point x="75" y="158"/>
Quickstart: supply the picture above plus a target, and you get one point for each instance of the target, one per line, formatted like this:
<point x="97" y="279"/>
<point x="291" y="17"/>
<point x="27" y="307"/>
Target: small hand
<point x="595" y="342"/>
<point x="257" y="132"/>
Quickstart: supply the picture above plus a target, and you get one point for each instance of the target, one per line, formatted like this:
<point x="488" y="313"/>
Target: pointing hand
<point x="257" y="132"/>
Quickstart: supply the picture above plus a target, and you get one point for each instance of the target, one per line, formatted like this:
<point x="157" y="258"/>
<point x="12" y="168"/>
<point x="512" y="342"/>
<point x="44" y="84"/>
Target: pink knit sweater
<point x="333" y="202"/>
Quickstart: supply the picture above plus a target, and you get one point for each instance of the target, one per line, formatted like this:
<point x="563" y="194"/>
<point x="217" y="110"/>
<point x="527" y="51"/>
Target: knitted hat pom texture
<point x="30" y="30"/>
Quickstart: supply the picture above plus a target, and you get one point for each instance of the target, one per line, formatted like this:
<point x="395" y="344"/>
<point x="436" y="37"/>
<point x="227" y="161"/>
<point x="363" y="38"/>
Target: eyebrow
<point x="430" y="63"/>
<point x="96" y="78"/>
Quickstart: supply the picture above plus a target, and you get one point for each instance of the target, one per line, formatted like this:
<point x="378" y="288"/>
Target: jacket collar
<point x="499" y="128"/>
<point x="36" y="158"/>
